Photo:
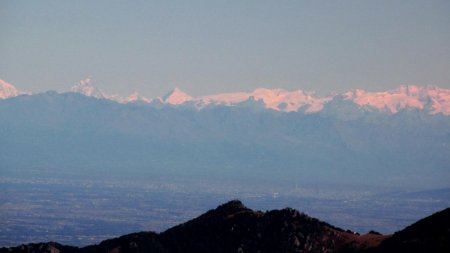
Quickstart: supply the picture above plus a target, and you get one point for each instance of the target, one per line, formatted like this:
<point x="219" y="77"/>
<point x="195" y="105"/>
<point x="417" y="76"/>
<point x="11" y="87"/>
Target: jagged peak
<point x="87" y="82"/>
<point x="176" y="97"/>
<point x="86" y="88"/>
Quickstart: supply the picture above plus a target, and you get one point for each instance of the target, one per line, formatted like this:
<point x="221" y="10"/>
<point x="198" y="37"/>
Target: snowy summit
<point x="7" y="90"/>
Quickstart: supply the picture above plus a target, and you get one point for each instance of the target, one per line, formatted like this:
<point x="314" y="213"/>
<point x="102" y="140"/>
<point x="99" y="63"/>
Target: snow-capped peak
<point x="176" y="97"/>
<point x="7" y="90"/>
<point x="276" y="99"/>
<point x="86" y="88"/>
<point x="288" y="101"/>
<point x="435" y="99"/>
<point x="430" y="99"/>
<point x="136" y="97"/>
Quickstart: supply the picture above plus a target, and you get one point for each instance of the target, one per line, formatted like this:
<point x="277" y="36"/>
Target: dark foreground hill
<point x="431" y="234"/>
<point x="232" y="227"/>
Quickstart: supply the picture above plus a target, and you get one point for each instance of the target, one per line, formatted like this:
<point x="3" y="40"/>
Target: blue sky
<point x="206" y="47"/>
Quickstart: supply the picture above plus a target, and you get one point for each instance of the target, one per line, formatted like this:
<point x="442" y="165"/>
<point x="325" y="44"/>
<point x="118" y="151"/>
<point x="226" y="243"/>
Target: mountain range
<point x="394" y="138"/>
<point x="232" y="227"/>
<point x="432" y="99"/>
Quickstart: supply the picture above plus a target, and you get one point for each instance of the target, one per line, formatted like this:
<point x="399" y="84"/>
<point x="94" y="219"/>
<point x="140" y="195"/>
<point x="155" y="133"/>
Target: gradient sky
<point x="206" y="47"/>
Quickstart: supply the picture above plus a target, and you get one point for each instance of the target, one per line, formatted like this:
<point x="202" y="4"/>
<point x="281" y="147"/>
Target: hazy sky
<point x="206" y="47"/>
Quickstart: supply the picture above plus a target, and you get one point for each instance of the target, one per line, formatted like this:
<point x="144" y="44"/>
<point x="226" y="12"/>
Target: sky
<point x="208" y="47"/>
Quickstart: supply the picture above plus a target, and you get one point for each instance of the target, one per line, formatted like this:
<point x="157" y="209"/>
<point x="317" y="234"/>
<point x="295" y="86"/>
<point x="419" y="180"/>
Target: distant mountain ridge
<point x="431" y="99"/>
<point x="342" y="143"/>
<point x="232" y="227"/>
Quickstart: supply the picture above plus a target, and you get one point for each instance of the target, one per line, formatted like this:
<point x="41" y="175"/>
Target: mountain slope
<point x="431" y="234"/>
